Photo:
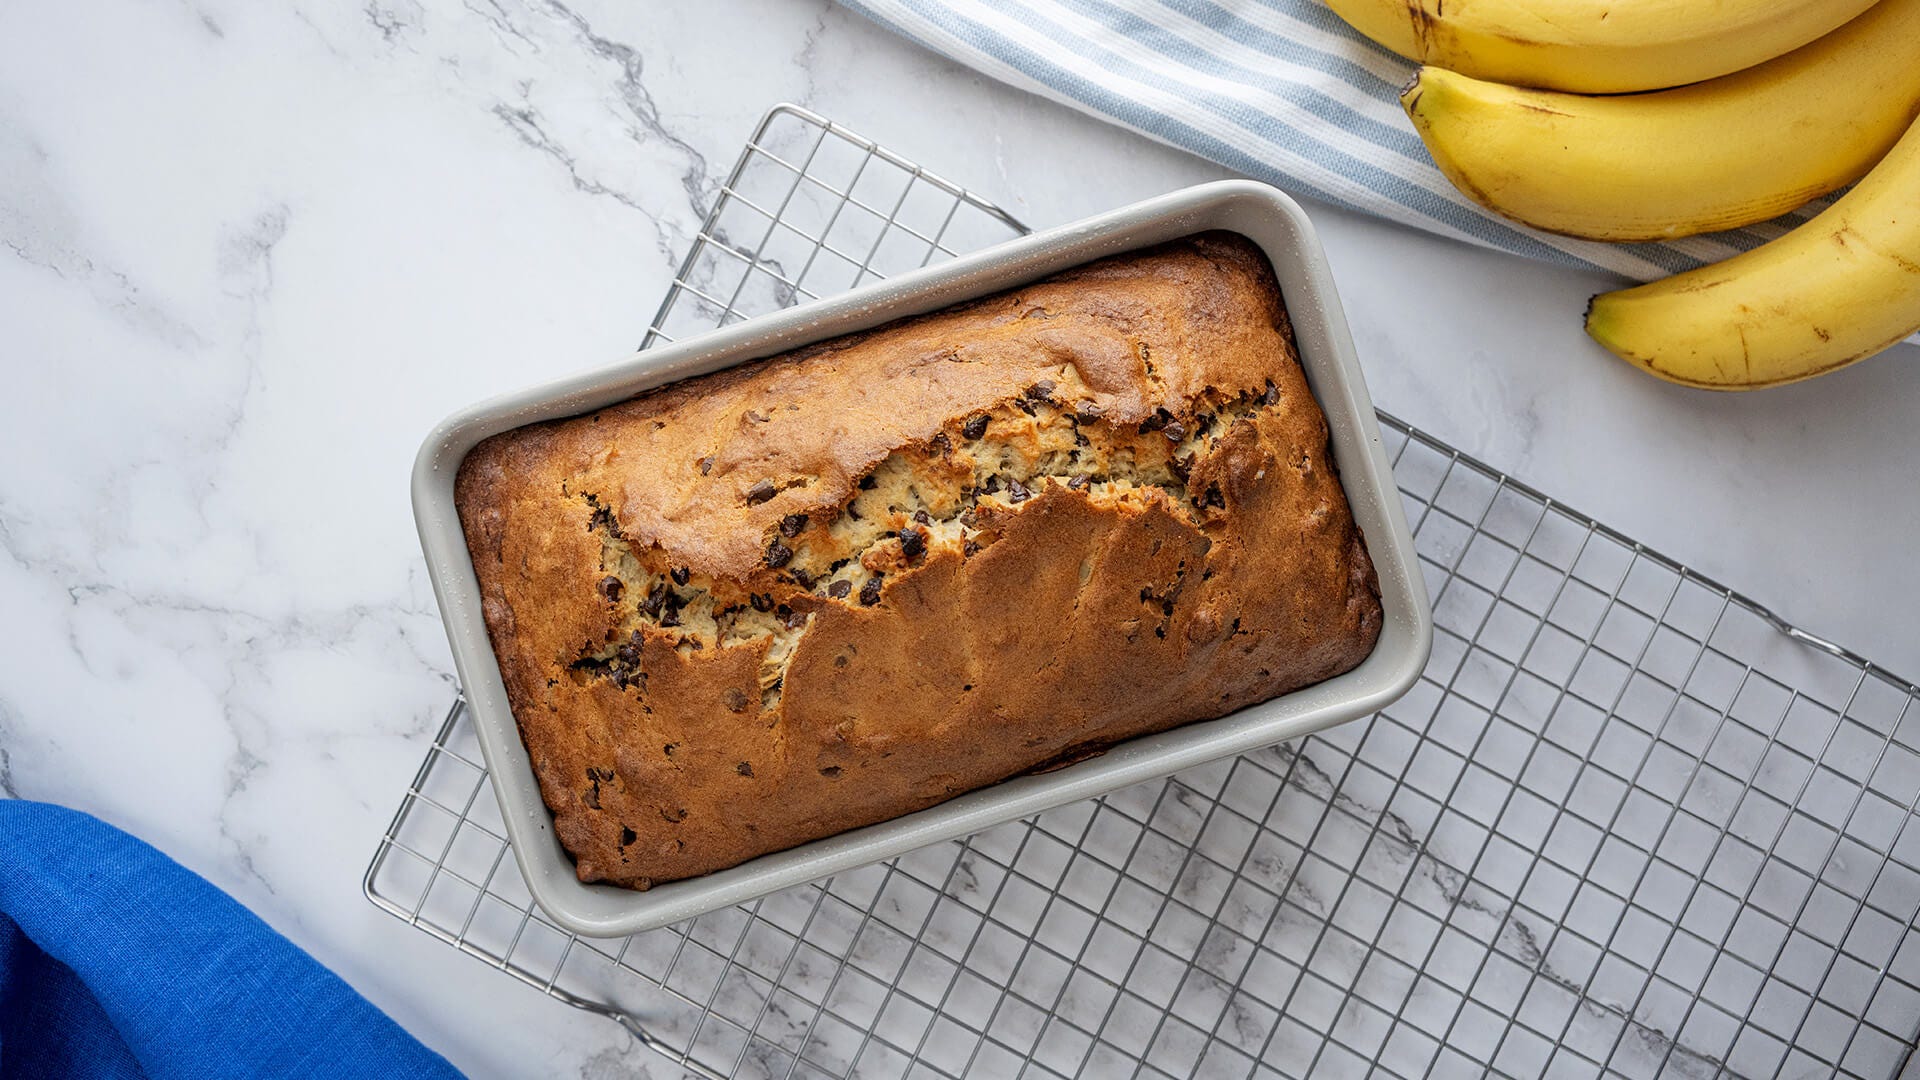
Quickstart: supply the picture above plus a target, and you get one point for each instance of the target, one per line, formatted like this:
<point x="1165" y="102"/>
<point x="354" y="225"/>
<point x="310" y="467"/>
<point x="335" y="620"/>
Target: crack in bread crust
<point x="917" y="502"/>
<point x="838" y="585"/>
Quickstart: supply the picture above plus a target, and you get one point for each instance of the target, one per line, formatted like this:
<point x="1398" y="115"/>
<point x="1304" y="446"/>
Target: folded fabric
<point x="1280" y="90"/>
<point x="116" y="961"/>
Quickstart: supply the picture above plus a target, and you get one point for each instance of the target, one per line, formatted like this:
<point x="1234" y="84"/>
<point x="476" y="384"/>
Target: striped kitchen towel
<point x="1281" y="90"/>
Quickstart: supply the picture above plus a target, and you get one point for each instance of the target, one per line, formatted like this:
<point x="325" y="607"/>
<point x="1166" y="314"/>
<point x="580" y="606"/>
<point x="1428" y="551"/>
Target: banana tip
<point x="1599" y="324"/>
<point x="1411" y="90"/>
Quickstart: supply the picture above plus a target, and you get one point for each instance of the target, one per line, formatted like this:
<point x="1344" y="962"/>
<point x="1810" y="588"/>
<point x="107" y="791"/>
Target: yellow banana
<point x="1839" y="288"/>
<point x="1595" y="46"/>
<point x="1715" y="155"/>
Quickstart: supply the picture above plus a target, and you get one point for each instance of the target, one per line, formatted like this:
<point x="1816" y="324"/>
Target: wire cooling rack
<point x="1627" y="824"/>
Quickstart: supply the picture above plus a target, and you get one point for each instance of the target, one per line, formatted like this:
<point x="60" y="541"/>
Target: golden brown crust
<point x="837" y="585"/>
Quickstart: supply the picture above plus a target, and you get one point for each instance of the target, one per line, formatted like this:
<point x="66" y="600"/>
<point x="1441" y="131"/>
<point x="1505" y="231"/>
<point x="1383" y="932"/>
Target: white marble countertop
<point x="250" y="252"/>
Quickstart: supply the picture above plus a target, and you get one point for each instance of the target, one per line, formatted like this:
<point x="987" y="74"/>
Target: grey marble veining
<point x="249" y="253"/>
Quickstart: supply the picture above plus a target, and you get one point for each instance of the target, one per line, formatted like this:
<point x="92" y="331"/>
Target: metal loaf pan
<point x="1266" y="216"/>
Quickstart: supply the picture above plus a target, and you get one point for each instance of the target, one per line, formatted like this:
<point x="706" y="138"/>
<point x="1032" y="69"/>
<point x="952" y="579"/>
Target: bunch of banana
<point x="1719" y="114"/>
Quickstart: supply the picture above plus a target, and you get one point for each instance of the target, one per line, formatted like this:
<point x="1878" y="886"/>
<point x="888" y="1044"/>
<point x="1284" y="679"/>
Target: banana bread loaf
<point x="830" y="587"/>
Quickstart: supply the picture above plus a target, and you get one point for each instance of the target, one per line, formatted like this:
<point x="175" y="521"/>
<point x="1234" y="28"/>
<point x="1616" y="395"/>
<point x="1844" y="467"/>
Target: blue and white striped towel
<point x="1281" y="90"/>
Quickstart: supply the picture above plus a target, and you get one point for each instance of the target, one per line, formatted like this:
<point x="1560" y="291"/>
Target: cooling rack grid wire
<point x="1627" y="824"/>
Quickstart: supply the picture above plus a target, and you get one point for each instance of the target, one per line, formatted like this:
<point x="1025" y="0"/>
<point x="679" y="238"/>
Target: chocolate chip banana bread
<point x="830" y="587"/>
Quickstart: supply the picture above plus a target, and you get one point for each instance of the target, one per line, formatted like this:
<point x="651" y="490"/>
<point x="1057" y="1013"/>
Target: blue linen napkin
<point x="116" y="961"/>
<point x="1280" y="90"/>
